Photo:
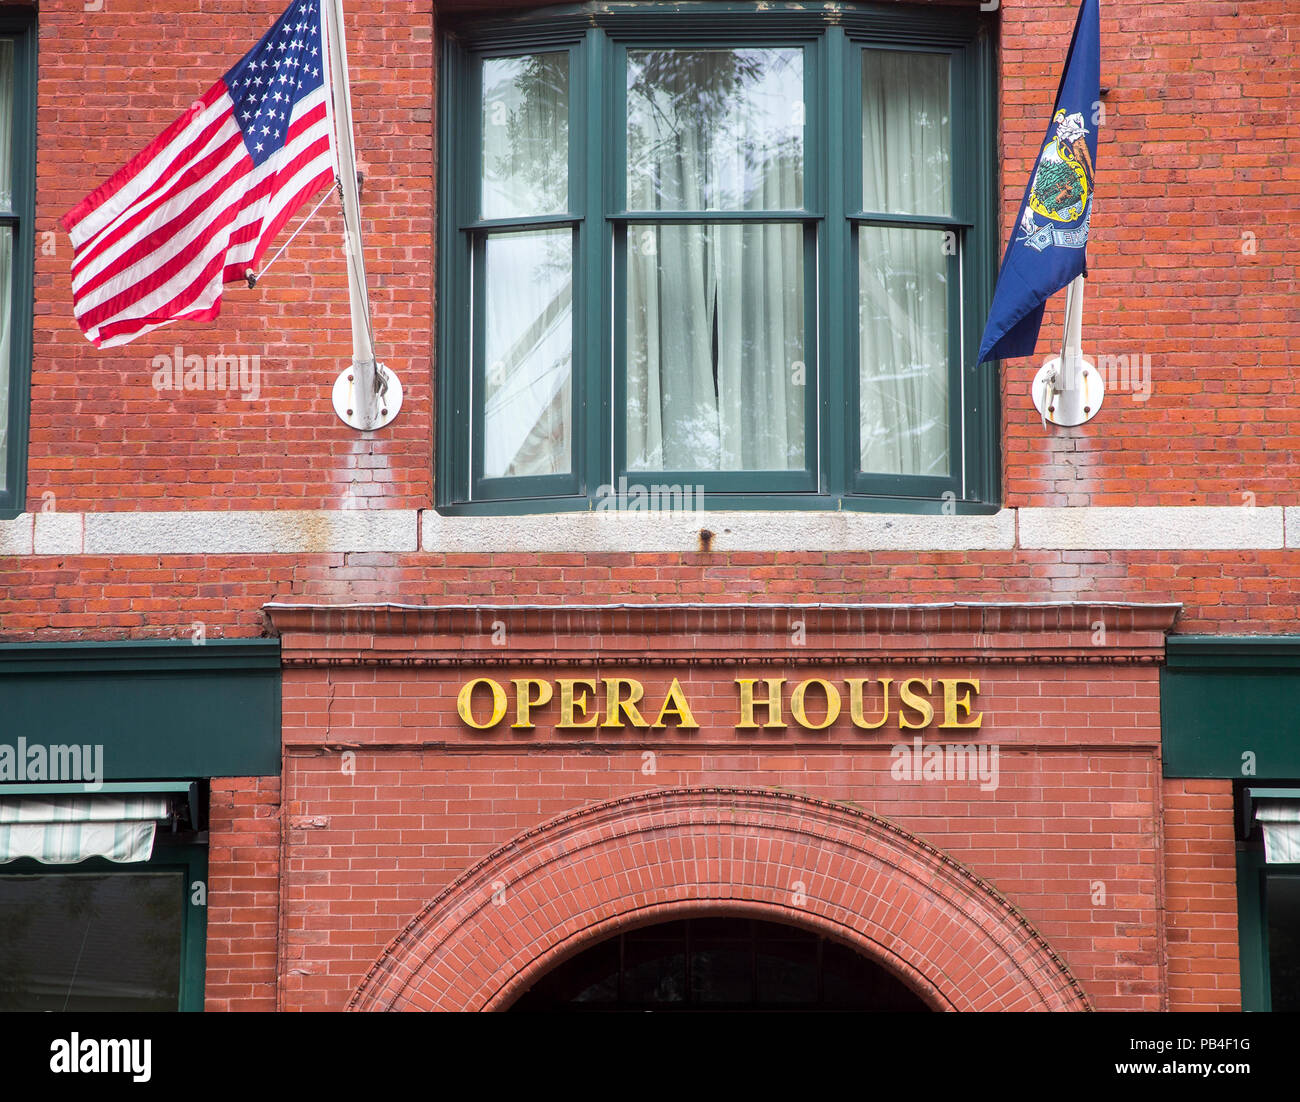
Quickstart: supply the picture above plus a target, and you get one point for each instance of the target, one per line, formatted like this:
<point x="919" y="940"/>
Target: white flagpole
<point x="1068" y="390"/>
<point x="367" y="395"/>
<point x="1072" y="343"/>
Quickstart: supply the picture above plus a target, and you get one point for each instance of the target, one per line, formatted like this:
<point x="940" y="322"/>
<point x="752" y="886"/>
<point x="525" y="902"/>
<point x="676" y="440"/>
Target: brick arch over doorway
<point x="670" y="853"/>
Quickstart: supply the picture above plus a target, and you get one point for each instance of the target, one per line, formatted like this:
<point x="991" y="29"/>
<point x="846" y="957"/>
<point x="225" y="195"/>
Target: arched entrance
<point x="670" y="854"/>
<point x="720" y="963"/>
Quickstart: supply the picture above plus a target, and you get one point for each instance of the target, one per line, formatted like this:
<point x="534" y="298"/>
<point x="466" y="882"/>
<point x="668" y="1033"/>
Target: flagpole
<point x="1068" y="390"/>
<point x="367" y="395"/>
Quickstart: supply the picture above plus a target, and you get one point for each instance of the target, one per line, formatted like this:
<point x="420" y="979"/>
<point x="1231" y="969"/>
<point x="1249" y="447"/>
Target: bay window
<point x="740" y="248"/>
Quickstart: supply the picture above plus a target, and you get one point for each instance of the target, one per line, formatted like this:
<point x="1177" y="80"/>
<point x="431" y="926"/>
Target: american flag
<point x="201" y="204"/>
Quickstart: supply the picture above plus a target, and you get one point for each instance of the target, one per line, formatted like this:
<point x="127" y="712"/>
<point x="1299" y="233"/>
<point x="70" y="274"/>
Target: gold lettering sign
<point x="583" y="703"/>
<point x="465" y="702"/>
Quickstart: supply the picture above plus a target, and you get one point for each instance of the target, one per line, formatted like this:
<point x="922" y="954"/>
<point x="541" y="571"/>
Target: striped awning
<point x="1280" y="820"/>
<point x="64" y="830"/>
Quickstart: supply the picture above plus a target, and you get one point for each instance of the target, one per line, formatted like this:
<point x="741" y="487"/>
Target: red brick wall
<point x="1201" y="896"/>
<point x="101" y="438"/>
<point x="243" y="893"/>
<point x="1194" y="153"/>
<point x="121" y="596"/>
<point x="1067" y="835"/>
<point x="377" y="848"/>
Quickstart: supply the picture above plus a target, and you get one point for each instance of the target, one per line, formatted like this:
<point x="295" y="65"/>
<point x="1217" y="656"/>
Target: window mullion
<point x="595" y="315"/>
<point x="837" y="410"/>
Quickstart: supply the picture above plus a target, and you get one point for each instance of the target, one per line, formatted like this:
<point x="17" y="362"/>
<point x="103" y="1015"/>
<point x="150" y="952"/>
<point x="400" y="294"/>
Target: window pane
<point x="654" y="964"/>
<point x="525" y="135"/>
<point x="722" y="961"/>
<point x="715" y="129"/>
<point x="528" y="342"/>
<point x="787" y="965"/>
<point x="1284" y="941"/>
<point x="6" y="327"/>
<point x="6" y="123"/>
<point x="906" y="145"/>
<point x="903" y="369"/>
<point x="91" y="941"/>
<point x="716" y="371"/>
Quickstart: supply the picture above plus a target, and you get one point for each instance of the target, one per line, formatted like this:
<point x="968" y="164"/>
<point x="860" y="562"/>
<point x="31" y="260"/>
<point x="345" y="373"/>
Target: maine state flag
<point x="1048" y="247"/>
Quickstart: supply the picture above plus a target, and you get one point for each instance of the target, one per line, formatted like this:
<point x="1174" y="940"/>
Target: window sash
<point x="18" y="222"/>
<point x="478" y="231"/>
<point x="832" y="191"/>
<point x="778" y="480"/>
<point x="949" y="487"/>
<point x="517" y="485"/>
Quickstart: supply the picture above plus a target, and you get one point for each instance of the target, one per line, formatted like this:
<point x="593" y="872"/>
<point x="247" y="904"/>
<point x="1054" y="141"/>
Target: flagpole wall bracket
<point x="1065" y="401"/>
<point x="349" y="399"/>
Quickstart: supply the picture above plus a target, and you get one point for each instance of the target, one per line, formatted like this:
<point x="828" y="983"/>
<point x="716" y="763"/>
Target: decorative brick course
<point x="661" y="855"/>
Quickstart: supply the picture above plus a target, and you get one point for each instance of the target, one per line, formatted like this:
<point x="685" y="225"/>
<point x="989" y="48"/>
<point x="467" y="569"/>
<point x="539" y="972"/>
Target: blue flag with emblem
<point x="1048" y="247"/>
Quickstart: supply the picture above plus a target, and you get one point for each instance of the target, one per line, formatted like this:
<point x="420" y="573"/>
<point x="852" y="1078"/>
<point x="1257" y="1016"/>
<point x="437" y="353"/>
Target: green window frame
<point x="596" y="40"/>
<point x="1258" y="961"/>
<point x="1253" y="876"/>
<point x="18" y="221"/>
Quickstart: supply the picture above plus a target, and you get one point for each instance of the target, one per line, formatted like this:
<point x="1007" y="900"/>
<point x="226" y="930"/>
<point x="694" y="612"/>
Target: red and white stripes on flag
<point x="202" y="203"/>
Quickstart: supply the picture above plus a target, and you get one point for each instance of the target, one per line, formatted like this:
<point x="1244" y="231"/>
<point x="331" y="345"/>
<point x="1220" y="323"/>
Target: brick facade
<point x="314" y="875"/>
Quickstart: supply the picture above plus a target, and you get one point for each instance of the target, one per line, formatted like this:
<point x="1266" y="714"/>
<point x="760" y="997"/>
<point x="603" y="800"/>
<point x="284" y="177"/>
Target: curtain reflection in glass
<point x="528" y="339"/>
<point x="716" y="375"/>
<point x="906" y="145"/>
<point x="715" y="129"/>
<point x="525" y="135"/>
<point x="903" y="324"/>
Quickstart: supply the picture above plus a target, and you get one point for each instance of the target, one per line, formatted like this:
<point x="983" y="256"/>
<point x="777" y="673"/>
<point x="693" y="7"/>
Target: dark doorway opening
<point x="719" y="964"/>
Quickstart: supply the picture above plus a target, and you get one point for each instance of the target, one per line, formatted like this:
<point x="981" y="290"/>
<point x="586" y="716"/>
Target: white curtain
<point x="716" y="372"/>
<point x="903" y="273"/>
<point x="528" y="353"/>
<point x="528" y="308"/>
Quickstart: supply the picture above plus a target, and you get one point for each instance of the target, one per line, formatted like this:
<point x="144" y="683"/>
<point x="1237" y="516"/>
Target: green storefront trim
<point x="160" y="709"/>
<point x="1227" y="712"/>
<point x="1252" y="923"/>
<point x="1228" y="707"/>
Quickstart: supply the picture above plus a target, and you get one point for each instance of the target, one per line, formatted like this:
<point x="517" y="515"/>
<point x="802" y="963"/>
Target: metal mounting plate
<point x="346" y="404"/>
<point x="1073" y="406"/>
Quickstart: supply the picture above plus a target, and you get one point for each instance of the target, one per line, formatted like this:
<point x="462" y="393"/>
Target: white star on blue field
<point x="283" y="68"/>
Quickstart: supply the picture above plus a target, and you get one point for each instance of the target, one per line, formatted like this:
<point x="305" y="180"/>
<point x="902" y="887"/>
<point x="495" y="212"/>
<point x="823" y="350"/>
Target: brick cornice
<point x="718" y="634"/>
